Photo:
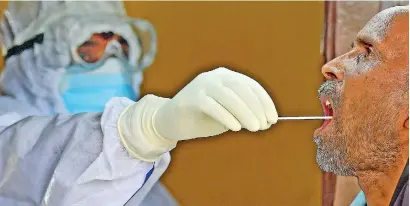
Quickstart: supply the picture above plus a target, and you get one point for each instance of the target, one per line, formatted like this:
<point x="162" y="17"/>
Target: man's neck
<point x="379" y="186"/>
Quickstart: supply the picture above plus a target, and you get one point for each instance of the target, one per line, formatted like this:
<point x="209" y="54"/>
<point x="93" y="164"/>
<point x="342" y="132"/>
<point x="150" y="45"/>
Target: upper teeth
<point x="327" y="103"/>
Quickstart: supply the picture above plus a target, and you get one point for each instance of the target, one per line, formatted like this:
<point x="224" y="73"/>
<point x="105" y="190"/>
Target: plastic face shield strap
<point x="104" y="73"/>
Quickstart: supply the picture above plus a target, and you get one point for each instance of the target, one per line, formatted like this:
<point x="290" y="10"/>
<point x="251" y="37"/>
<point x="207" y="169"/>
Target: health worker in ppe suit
<point x="71" y="131"/>
<point x="80" y="55"/>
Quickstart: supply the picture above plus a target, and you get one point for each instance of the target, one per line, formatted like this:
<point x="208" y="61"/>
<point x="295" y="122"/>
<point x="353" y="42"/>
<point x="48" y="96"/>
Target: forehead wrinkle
<point x="376" y="29"/>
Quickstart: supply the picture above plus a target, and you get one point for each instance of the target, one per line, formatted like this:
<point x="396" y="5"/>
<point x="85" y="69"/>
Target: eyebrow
<point x="364" y="39"/>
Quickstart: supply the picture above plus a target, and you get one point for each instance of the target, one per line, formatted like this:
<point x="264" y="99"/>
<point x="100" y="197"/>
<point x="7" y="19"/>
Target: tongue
<point x="330" y="111"/>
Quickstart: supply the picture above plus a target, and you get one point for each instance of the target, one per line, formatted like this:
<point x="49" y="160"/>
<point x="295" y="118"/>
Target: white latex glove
<point x="213" y="103"/>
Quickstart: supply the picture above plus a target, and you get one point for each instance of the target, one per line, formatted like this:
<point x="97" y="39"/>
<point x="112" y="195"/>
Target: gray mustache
<point x="328" y="88"/>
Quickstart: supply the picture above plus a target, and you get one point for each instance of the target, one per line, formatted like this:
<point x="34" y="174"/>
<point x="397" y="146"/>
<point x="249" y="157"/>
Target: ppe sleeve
<point x="69" y="160"/>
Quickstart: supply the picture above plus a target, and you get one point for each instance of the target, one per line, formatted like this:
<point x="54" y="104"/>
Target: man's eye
<point x="368" y="48"/>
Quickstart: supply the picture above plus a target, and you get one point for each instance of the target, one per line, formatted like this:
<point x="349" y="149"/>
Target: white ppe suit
<point x="109" y="158"/>
<point x="64" y="154"/>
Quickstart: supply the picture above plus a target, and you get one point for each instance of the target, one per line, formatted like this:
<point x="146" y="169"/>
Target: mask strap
<point x="18" y="49"/>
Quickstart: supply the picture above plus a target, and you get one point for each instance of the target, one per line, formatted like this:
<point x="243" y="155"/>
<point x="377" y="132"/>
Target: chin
<point x="340" y="171"/>
<point x="330" y="162"/>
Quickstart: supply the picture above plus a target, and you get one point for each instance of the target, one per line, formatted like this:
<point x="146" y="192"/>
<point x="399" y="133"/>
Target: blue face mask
<point x="88" y="90"/>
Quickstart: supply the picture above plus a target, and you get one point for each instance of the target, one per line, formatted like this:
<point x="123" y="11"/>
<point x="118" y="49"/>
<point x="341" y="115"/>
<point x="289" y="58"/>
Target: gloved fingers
<point x="235" y="105"/>
<point x="249" y="97"/>
<point x="267" y="126"/>
<point x="267" y="102"/>
<point x="216" y="111"/>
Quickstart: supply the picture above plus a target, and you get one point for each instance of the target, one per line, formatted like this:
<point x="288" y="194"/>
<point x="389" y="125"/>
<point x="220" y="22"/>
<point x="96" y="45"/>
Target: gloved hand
<point x="213" y="103"/>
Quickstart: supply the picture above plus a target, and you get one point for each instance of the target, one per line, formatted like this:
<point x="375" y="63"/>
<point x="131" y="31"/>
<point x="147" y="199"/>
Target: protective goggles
<point x="101" y="46"/>
<point x="91" y="53"/>
<point x="74" y="39"/>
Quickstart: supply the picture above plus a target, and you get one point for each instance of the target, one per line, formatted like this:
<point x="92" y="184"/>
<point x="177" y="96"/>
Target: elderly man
<point x="366" y="92"/>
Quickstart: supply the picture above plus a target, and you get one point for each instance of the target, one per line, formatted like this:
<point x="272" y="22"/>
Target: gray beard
<point x="331" y="160"/>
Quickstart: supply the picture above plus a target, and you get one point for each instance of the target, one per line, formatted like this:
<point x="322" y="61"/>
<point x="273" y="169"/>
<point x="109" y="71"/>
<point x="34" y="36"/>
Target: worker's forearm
<point x="32" y="148"/>
<point x="66" y="154"/>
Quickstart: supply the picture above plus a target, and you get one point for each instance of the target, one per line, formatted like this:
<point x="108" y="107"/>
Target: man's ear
<point x="406" y="116"/>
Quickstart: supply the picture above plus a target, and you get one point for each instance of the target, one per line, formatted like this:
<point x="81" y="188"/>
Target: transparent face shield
<point x="98" y="58"/>
<point x="56" y="39"/>
<point x="90" y="40"/>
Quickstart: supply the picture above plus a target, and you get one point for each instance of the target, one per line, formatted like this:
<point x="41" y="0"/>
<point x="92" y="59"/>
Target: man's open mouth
<point x="327" y="106"/>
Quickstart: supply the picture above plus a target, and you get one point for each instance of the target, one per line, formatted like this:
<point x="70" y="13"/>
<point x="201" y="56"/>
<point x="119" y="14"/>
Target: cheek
<point x="360" y="90"/>
<point x="365" y="104"/>
<point x="354" y="108"/>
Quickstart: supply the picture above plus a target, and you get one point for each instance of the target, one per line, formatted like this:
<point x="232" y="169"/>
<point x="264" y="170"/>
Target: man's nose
<point x="332" y="71"/>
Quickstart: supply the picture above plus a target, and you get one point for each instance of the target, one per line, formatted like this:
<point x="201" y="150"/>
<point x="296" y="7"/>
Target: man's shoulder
<point x="406" y="195"/>
<point x="401" y="194"/>
<point x="403" y="197"/>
